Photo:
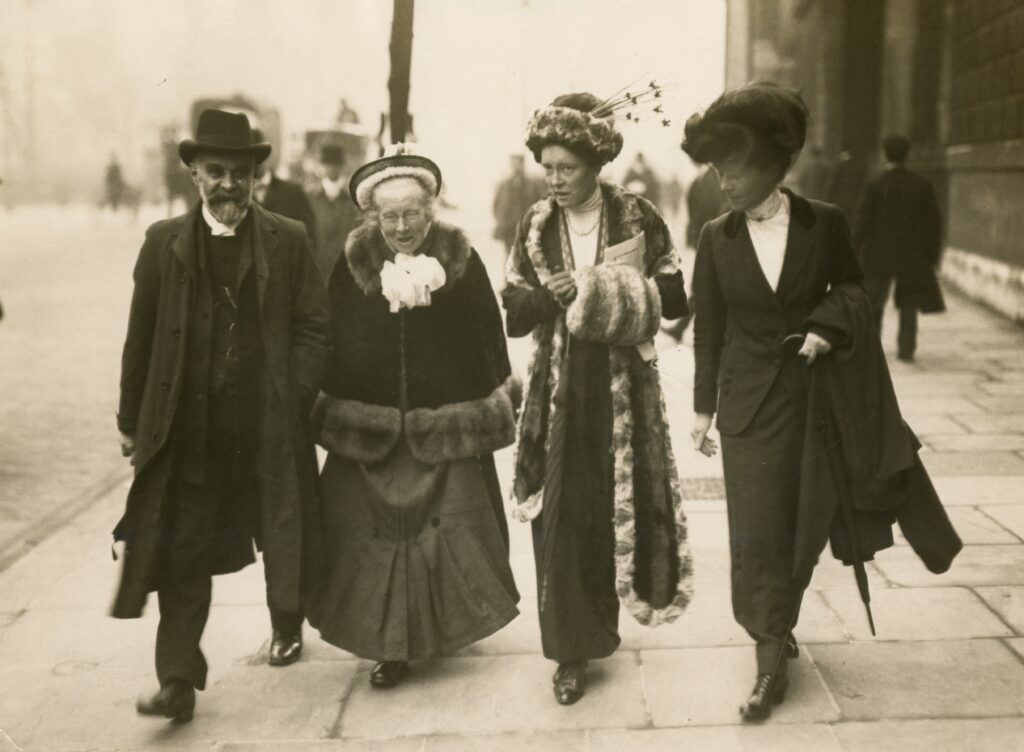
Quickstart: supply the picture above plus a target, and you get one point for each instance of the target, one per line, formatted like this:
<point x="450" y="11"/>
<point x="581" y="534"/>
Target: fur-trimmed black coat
<point x="451" y="356"/>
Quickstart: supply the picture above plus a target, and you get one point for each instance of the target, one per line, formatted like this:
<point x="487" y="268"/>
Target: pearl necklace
<point x="589" y="208"/>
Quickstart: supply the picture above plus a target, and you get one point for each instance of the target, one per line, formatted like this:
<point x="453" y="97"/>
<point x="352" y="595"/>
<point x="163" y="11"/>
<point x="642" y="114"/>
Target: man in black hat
<point x="336" y="215"/>
<point x="281" y="196"/>
<point x="226" y="346"/>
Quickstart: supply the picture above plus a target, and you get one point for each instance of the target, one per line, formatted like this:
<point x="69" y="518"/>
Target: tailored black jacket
<point x="741" y="322"/>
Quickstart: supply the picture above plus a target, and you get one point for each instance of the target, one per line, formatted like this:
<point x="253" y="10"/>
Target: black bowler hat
<point x="221" y="131"/>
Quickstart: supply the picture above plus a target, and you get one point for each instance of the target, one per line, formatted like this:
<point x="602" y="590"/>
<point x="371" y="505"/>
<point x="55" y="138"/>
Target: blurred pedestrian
<point x="281" y="196"/>
<point x="704" y="202"/>
<point x="761" y="271"/>
<point x="592" y="272"/>
<point x="114" y="185"/>
<point x="673" y="196"/>
<point x="515" y="194"/>
<point x="336" y="214"/>
<point x="814" y="176"/>
<point x="641" y="180"/>
<point x="418" y="396"/>
<point x="898" y="234"/>
<point x="226" y="346"/>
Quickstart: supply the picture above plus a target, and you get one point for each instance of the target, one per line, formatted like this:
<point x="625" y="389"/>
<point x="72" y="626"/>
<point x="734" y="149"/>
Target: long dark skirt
<point x="417" y="566"/>
<point x="762" y="488"/>
<point x="578" y="606"/>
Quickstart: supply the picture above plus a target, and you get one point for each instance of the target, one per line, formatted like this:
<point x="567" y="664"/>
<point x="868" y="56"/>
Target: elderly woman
<point x="592" y="272"/>
<point x="417" y="396"/>
<point x="762" y="271"/>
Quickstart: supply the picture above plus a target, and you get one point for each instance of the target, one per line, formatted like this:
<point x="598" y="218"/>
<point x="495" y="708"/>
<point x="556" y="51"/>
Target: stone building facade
<point x="949" y="74"/>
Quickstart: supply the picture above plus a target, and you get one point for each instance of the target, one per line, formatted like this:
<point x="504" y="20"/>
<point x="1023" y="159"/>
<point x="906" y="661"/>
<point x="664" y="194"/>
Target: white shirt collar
<point x="219" y="229"/>
<point x="332" y="188"/>
<point x="770" y="207"/>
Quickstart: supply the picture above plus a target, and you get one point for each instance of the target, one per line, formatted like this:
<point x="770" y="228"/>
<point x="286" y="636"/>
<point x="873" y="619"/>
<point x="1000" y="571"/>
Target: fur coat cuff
<point x="356" y="430"/>
<point x="465" y="429"/>
<point x="368" y="433"/>
<point x="615" y="305"/>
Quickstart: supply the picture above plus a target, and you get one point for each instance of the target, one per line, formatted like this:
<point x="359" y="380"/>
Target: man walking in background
<point x="898" y="235"/>
<point x="281" y="196"/>
<point x="336" y="214"/>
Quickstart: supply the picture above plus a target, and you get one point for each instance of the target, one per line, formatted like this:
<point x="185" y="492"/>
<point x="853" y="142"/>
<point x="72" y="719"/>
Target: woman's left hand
<point x="814" y="346"/>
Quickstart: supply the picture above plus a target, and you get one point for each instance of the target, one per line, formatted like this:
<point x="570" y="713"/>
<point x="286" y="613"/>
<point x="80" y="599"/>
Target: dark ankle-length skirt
<point x="416" y="563"/>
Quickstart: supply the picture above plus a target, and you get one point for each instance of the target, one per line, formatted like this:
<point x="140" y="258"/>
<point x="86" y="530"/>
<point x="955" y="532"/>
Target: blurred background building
<point x="949" y="74"/>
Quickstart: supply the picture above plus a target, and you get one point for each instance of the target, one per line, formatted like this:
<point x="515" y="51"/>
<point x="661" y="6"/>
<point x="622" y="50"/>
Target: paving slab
<point x="1010" y="516"/>
<point x="1008" y="602"/>
<point x="543" y="741"/>
<point x="769" y="737"/>
<point x="912" y="406"/>
<point x="1017" y="644"/>
<point x="927" y="425"/>
<point x="979" y="490"/>
<point x="96" y="707"/>
<point x="974" y="526"/>
<point x="974" y="565"/>
<point x="494" y="694"/>
<point x="933" y="735"/>
<point x="918" y="614"/>
<point x="676" y="696"/>
<point x="973" y="442"/>
<point x="955" y="678"/>
<point x="999" y="405"/>
<point x="972" y="463"/>
<point x="999" y="423"/>
<point x="414" y="744"/>
<point x="1002" y="389"/>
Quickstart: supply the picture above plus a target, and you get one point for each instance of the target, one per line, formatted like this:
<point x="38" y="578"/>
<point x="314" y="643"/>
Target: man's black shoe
<point x="285" y="647"/>
<point x="175" y="700"/>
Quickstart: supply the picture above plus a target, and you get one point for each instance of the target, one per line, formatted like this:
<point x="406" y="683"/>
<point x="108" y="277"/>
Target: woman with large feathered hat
<point x="591" y="274"/>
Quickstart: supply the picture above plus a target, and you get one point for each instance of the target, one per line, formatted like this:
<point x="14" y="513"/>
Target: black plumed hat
<point x="758" y="117"/>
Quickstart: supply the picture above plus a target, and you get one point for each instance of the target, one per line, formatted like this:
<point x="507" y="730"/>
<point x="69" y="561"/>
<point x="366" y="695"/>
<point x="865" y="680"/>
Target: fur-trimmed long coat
<point x="293" y="327"/>
<point x="439" y="375"/>
<point x="617" y="308"/>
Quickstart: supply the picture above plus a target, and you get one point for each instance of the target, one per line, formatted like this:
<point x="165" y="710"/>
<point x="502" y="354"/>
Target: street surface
<point x="946" y="671"/>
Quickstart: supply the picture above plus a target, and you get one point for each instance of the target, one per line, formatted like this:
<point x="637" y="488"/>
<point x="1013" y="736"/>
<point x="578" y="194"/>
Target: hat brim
<point x="398" y="160"/>
<point x="188" y="149"/>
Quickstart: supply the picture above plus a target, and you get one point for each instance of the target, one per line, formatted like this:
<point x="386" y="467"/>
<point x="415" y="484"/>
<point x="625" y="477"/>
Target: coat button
<point x="200" y="396"/>
<point x="435" y="522"/>
<point x="375" y="533"/>
<point x="165" y="385"/>
<point x="176" y="332"/>
<point x="154" y="436"/>
<point x="184" y="279"/>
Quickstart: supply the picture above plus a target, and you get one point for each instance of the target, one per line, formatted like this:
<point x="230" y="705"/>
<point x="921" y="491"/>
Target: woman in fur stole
<point x="417" y="396"/>
<point x="762" y="272"/>
<point x="594" y="469"/>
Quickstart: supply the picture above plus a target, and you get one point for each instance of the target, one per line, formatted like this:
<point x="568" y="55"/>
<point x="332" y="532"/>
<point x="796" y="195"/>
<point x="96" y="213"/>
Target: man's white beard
<point x="227" y="213"/>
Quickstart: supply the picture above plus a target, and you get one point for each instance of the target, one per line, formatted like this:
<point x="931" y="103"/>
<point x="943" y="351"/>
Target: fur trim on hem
<point x="464" y="429"/>
<point x="366" y="252"/>
<point x="625" y="510"/>
<point x="355" y="430"/>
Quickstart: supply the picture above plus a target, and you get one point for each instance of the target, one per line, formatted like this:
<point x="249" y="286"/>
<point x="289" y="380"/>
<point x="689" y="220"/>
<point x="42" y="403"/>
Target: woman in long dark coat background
<point x="417" y="396"/>
<point x="594" y="466"/>
<point x="761" y="272"/>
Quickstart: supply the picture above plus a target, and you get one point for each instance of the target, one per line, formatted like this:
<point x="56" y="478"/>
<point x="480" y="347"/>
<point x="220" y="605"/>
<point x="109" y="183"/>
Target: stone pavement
<point x="946" y="671"/>
<point x="65" y="282"/>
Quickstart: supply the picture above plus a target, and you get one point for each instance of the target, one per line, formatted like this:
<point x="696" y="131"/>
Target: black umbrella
<point x="830" y="435"/>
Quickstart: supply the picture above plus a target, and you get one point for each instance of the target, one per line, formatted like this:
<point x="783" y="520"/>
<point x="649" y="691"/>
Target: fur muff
<point x="464" y="429"/>
<point x="615" y="305"/>
<point x="366" y="252"/>
<point x="355" y="430"/>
